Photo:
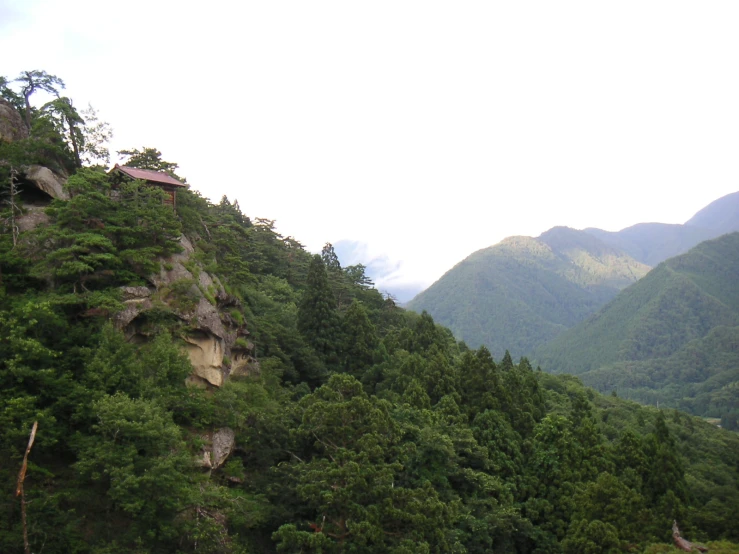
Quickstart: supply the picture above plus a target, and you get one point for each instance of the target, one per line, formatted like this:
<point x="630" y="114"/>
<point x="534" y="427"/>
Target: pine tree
<point x="318" y="320"/>
<point x="360" y="339"/>
<point x="330" y="259"/>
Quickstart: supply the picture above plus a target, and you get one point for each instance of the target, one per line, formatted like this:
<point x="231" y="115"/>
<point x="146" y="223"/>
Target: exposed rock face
<point x="47" y="181"/>
<point x="12" y="126"/>
<point x="224" y="441"/>
<point x="212" y="332"/>
<point x="206" y="356"/>
<point x="243" y="362"/>
<point x="134" y="307"/>
<point x="32" y="217"/>
<point x="138" y="294"/>
<point x="209" y="319"/>
<point x="218" y="447"/>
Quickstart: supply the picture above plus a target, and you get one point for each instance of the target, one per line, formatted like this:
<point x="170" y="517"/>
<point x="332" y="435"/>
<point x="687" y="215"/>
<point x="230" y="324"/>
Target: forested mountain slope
<point x="525" y="291"/>
<point x="671" y="337"/>
<point x="203" y="384"/>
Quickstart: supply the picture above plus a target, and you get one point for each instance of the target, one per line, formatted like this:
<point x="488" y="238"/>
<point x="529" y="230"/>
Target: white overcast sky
<point x="426" y="130"/>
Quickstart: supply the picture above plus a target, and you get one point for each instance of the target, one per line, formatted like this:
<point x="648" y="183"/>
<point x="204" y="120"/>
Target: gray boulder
<point x="47" y="181"/>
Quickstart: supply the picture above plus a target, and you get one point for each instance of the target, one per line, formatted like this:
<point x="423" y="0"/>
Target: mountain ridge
<point x="537" y="288"/>
<point x="721" y="215"/>
<point x="523" y="291"/>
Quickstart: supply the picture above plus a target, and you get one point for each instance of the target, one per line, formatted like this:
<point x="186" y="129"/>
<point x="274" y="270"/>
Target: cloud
<point x="388" y="275"/>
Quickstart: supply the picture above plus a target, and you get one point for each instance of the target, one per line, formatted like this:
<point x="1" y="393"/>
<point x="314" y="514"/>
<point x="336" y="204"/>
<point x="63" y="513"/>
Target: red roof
<point x="149" y="175"/>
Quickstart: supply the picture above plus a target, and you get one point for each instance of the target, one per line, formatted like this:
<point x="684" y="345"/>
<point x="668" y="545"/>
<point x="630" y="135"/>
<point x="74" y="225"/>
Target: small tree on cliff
<point x="32" y="81"/>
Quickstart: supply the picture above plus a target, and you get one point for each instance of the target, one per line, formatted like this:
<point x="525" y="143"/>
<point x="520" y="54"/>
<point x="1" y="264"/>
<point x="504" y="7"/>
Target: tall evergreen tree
<point x="360" y="339"/>
<point x="330" y="259"/>
<point x="318" y="320"/>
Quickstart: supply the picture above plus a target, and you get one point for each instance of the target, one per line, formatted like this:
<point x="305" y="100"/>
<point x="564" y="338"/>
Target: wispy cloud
<point x="388" y="275"/>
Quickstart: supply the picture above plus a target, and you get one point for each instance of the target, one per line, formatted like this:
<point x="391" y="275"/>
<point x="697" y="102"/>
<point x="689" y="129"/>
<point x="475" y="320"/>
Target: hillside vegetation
<point x="202" y="384"/>
<point x="524" y="292"/>
<point x="671" y="337"/>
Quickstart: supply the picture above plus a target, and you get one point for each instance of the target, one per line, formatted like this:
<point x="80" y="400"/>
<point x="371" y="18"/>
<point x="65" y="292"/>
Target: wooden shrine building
<point x="154" y="178"/>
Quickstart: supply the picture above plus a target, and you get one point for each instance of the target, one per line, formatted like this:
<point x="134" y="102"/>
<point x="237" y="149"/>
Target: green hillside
<point x="670" y="337"/>
<point x="525" y="291"/>
<point x="701" y="377"/>
<point x="194" y="382"/>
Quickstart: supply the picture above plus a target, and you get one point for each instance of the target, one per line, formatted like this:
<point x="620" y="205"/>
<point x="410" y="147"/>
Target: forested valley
<point x="201" y="383"/>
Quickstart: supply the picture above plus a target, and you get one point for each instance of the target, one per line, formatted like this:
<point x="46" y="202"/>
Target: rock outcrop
<point x="12" y="126"/>
<point x="32" y="217"/>
<point x="214" y="341"/>
<point x="217" y="448"/>
<point x="206" y="356"/>
<point x="47" y="181"/>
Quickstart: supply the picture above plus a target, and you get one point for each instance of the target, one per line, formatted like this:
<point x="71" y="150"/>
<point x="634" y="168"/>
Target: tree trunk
<point x="75" y="145"/>
<point x="28" y="115"/>
<point x="19" y="488"/>
<point x="682" y="544"/>
<point x="13" y="207"/>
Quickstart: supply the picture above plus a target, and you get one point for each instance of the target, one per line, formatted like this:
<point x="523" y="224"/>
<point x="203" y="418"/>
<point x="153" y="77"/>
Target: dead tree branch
<point x="19" y="488"/>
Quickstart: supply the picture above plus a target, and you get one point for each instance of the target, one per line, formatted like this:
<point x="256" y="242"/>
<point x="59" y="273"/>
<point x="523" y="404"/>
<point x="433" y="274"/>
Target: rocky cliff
<point x="216" y="343"/>
<point x="11" y="124"/>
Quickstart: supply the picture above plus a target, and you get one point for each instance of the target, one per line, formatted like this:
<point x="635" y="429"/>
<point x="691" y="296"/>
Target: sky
<point x="416" y="131"/>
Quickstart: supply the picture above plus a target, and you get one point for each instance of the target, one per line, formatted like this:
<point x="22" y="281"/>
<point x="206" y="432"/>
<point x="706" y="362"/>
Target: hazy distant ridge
<point x="652" y="243"/>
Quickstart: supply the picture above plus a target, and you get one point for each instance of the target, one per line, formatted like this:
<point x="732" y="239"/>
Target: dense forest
<point x="201" y="383"/>
<point x="671" y="339"/>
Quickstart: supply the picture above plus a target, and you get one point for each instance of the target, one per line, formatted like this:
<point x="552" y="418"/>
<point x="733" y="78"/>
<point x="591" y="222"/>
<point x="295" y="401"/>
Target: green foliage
<point x="360" y="339"/>
<point x="318" y="319"/>
<point x="91" y="242"/>
<point x="136" y="454"/>
<point x="349" y="481"/>
<point x="594" y="537"/>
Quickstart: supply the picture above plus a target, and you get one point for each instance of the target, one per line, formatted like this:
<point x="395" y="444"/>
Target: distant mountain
<point x="672" y="337"/>
<point x="525" y="291"/>
<point x="720" y="216"/>
<point x="652" y="243"/>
